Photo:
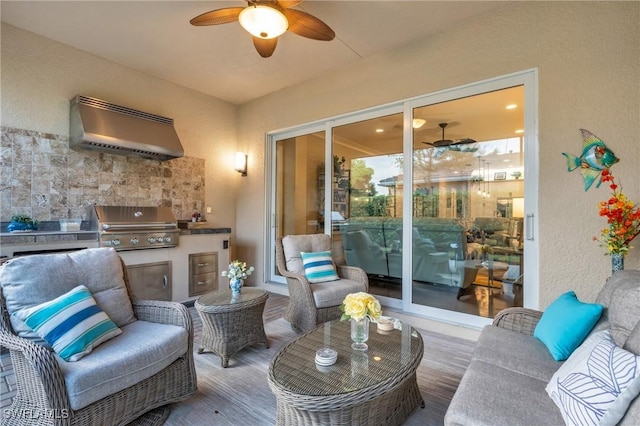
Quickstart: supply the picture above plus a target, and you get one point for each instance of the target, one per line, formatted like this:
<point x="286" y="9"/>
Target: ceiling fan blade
<point x="307" y="25"/>
<point x="265" y="47"/>
<point x="287" y="4"/>
<point x="217" y="17"/>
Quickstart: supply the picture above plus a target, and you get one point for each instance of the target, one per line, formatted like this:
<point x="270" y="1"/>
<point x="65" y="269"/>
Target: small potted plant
<point x="22" y="223"/>
<point x="516" y="174"/>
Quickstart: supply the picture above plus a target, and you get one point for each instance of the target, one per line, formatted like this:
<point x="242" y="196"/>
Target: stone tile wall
<point x="42" y="177"/>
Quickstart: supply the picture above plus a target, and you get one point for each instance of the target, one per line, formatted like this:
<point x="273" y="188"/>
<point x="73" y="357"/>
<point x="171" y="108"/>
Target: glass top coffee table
<point x="231" y="322"/>
<point x="377" y="386"/>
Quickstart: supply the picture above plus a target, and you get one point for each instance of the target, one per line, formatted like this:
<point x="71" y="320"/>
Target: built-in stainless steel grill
<point x="134" y="228"/>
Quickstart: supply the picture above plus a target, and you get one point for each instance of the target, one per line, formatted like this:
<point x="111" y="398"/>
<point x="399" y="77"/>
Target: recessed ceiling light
<point x="506" y="160"/>
<point x="511" y="106"/>
<point x="519" y="131"/>
<point x="379" y="130"/>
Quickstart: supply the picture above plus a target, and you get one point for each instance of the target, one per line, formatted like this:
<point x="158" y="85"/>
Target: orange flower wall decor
<point x="623" y="219"/>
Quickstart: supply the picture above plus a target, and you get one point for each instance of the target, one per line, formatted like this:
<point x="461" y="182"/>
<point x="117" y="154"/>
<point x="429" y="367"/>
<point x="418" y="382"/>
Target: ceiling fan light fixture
<point x="418" y="122"/>
<point x="263" y="21"/>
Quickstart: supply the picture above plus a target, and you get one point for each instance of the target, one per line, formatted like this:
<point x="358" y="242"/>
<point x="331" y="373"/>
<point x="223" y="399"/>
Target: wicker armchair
<point x="313" y="304"/>
<point x="45" y="381"/>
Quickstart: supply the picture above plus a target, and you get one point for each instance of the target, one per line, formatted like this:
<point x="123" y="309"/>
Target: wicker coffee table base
<point x="228" y="328"/>
<point x="392" y="407"/>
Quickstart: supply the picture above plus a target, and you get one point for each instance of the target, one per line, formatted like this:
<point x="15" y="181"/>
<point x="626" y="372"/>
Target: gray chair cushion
<point x="516" y="352"/>
<point x="142" y="350"/>
<point x="486" y="392"/>
<point x="293" y="245"/>
<point x="633" y="342"/>
<point x="332" y="293"/>
<point x="31" y="280"/>
<point x="621" y="296"/>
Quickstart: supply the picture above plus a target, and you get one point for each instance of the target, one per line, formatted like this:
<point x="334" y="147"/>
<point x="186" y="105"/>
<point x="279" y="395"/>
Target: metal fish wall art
<point x="595" y="158"/>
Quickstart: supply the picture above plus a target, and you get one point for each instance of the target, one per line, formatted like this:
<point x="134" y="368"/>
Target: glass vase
<point x="236" y="286"/>
<point x="360" y="333"/>
<point x="617" y="262"/>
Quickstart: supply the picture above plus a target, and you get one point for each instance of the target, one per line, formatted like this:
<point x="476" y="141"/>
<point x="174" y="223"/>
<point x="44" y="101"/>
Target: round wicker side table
<point x="231" y="322"/>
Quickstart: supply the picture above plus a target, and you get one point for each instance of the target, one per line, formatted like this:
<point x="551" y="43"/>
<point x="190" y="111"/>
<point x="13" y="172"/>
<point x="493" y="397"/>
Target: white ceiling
<point x="155" y="37"/>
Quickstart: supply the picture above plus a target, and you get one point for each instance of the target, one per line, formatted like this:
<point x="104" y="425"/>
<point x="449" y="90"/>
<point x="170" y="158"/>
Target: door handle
<point x="165" y="281"/>
<point x="528" y="229"/>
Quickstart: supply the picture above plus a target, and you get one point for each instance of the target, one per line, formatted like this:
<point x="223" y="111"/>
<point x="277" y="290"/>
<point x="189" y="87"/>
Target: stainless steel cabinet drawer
<point x="201" y="263"/>
<point x="203" y="273"/>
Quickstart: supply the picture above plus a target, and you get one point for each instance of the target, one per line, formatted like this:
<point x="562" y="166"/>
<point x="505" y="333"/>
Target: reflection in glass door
<point x="468" y="202"/>
<point x="367" y="210"/>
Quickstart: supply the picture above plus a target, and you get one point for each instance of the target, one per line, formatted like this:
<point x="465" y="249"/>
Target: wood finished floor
<point x="240" y="395"/>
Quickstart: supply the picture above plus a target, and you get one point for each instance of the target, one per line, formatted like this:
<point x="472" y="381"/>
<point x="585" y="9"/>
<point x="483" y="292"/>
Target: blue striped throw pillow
<point x="72" y="324"/>
<point x="318" y="267"/>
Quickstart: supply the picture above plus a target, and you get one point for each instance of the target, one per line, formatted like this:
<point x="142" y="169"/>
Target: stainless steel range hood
<point x="101" y="126"/>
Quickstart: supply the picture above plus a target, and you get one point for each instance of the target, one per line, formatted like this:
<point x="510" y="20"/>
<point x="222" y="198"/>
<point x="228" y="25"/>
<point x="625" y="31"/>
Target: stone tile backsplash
<point x="42" y="177"/>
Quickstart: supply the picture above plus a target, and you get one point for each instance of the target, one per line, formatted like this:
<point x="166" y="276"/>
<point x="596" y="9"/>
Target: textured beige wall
<point x="40" y="76"/>
<point x="588" y="57"/>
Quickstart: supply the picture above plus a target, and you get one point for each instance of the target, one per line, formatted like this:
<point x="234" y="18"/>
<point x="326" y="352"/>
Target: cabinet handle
<point x="203" y="282"/>
<point x="200" y="265"/>
<point x="164" y="281"/>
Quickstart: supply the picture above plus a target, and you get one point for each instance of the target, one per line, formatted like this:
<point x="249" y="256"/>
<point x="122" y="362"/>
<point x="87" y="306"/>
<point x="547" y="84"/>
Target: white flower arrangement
<point x="238" y="271"/>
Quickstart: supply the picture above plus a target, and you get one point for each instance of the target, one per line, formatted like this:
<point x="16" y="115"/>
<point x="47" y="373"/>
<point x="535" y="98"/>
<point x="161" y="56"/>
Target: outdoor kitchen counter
<point x="197" y="231"/>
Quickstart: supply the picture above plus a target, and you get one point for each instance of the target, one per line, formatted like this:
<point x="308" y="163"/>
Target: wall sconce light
<point x="240" y="165"/>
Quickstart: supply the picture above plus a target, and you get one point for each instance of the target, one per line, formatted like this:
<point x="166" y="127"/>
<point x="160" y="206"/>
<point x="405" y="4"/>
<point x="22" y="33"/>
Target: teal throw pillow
<point x="565" y="324"/>
<point x="73" y="324"/>
<point x="318" y="267"/>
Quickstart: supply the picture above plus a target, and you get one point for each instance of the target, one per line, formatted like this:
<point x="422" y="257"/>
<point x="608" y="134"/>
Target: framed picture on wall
<point x="500" y="176"/>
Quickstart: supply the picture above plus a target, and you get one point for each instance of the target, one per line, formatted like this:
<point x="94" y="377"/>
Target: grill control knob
<point x="167" y="239"/>
<point x="134" y="241"/>
<point x="151" y="240"/>
<point x="115" y="242"/>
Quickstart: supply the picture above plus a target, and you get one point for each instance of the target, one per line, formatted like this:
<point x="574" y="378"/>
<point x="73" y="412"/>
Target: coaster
<point x="385" y="324"/>
<point x="326" y="356"/>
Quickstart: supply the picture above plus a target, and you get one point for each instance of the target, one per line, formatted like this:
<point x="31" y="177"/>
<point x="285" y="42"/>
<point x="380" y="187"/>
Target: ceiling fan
<point x="448" y="142"/>
<point x="266" y="20"/>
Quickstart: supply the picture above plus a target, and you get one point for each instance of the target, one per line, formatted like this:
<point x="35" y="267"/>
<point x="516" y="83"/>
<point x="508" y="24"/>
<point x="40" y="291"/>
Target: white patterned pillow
<point x="318" y="267"/>
<point x="72" y="324"/>
<point x="597" y="383"/>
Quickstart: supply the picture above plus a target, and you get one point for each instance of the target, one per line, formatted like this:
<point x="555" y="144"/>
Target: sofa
<point x="439" y="249"/>
<point x="108" y="359"/>
<point x="510" y="369"/>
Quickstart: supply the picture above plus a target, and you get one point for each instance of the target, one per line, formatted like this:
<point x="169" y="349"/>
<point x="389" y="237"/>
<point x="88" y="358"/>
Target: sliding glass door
<point x="426" y="195"/>
<point x="467" y="242"/>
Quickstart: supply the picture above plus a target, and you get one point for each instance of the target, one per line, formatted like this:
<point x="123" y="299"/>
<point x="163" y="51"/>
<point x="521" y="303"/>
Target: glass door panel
<point x="298" y="190"/>
<point x="467" y="198"/>
<point x="366" y="210"/>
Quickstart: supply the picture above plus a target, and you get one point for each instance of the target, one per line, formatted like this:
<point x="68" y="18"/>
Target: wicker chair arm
<point x="353" y="273"/>
<point x="522" y="320"/>
<point x="41" y="380"/>
<point x="300" y="288"/>
<point x="162" y="312"/>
